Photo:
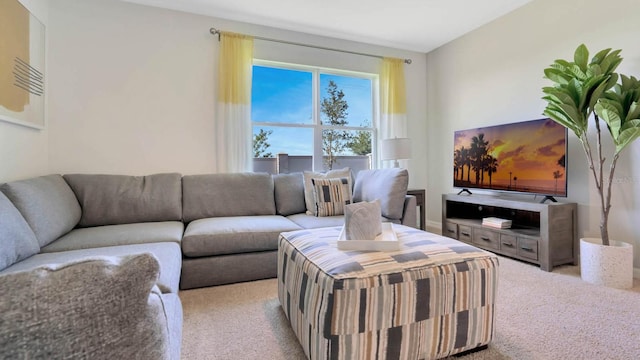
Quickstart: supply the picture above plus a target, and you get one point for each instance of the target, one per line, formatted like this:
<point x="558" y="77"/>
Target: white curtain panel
<point x="233" y="114"/>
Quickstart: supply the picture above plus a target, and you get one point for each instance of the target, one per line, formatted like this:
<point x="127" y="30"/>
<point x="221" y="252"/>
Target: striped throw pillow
<point x="331" y="195"/>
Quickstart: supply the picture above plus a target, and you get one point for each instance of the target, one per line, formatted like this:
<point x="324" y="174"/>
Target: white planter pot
<point x="610" y="266"/>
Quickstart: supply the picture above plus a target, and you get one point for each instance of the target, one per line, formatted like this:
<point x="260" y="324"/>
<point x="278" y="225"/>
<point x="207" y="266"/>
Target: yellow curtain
<point x="392" y="87"/>
<point x="393" y="101"/>
<point x="233" y="122"/>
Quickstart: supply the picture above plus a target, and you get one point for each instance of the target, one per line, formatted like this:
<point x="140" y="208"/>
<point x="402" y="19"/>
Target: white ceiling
<point x="417" y="25"/>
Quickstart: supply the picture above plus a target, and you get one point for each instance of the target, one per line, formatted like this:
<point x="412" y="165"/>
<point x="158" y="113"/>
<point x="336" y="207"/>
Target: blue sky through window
<point x="285" y="96"/>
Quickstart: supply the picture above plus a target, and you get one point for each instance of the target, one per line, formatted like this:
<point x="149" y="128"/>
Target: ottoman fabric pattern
<point x="432" y="298"/>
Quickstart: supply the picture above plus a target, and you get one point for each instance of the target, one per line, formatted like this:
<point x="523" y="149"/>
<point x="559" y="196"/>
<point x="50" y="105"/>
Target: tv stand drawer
<point x="528" y="248"/>
<point x="464" y="233"/>
<point x="486" y="238"/>
<point x="450" y="230"/>
<point x="508" y="245"/>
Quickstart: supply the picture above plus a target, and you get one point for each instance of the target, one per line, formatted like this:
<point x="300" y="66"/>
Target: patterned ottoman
<point x="432" y="298"/>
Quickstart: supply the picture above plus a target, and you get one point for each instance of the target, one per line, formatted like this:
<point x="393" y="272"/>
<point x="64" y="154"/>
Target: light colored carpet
<point x="539" y="315"/>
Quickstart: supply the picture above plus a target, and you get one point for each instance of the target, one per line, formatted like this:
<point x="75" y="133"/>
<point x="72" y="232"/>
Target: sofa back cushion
<point x="47" y="203"/>
<point x="102" y="307"/>
<point x="289" y="194"/>
<point x="231" y="194"/>
<point x="122" y="199"/>
<point x="17" y="240"/>
<point x="387" y="185"/>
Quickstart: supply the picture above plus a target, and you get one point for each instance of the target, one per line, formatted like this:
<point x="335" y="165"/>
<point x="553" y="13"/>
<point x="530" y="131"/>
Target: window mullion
<point x="317" y="129"/>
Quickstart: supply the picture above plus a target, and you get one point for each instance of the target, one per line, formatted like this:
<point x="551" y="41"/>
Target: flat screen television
<point x="523" y="157"/>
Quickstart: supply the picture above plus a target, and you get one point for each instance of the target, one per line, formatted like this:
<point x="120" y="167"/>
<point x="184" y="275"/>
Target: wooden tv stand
<point x="543" y="234"/>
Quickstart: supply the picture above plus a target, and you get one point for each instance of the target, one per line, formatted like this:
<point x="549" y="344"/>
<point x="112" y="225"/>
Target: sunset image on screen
<point x="525" y="157"/>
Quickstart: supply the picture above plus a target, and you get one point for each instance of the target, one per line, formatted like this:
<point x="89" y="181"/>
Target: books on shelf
<point x="496" y="222"/>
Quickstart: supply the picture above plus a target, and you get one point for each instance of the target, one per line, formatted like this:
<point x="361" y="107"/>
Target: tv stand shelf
<point x="543" y="234"/>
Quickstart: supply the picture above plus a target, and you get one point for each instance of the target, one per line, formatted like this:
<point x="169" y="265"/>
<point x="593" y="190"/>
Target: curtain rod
<point x="215" y="31"/>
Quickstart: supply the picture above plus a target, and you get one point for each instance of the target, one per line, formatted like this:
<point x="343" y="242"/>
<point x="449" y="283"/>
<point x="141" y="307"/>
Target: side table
<point x="420" y="201"/>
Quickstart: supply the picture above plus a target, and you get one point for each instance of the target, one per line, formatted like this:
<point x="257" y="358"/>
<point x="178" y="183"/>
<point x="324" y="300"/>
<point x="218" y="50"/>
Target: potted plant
<point x="582" y="88"/>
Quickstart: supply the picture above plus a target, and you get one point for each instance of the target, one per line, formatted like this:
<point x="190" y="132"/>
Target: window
<point x="311" y="118"/>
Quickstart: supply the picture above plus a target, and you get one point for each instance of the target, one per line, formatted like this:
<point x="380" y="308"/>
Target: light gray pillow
<point x="289" y="194"/>
<point x="17" y="240"/>
<point x="47" y="203"/>
<point x="362" y="221"/>
<point x="96" y="308"/>
<point x="123" y="199"/>
<point x="309" y="200"/>
<point x="387" y="185"/>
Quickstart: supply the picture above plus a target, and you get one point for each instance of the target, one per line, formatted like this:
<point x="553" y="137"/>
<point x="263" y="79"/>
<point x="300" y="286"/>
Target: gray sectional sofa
<point x="90" y="265"/>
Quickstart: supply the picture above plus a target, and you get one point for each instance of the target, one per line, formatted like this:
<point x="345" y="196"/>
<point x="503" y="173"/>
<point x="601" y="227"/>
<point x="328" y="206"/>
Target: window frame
<point x="315" y="125"/>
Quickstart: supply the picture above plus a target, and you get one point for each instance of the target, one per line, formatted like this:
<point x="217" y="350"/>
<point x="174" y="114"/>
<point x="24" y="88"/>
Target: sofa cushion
<point x="232" y="194"/>
<point x="168" y="255"/>
<point x="289" y="194"/>
<point x="114" y="235"/>
<point x="308" y="187"/>
<point x="387" y="185"/>
<point x="94" y="308"/>
<point x="17" y="240"/>
<point x="311" y="222"/>
<point x="331" y="195"/>
<point x="47" y="203"/>
<point x="231" y="235"/>
<point x="121" y="199"/>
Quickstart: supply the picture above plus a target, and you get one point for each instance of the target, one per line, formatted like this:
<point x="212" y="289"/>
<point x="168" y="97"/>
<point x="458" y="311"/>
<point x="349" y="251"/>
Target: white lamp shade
<point x="396" y="149"/>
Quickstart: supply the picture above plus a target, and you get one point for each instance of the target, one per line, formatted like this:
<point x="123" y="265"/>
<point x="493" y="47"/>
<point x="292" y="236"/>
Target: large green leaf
<point x="561" y="64"/>
<point x="598" y="57"/>
<point x="574" y="89"/>
<point x="578" y="72"/>
<point x="556" y="76"/>
<point x="610" y="114"/>
<point x="611" y="62"/>
<point x="559" y="97"/>
<point x="629" y="134"/>
<point x="558" y="115"/>
<point x="581" y="57"/>
<point x="634" y="111"/>
<point x="598" y="93"/>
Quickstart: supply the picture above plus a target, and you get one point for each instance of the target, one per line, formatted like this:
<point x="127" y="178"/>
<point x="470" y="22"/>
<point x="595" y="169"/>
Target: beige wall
<point x="132" y="87"/>
<point x="24" y="150"/>
<point x="495" y="74"/>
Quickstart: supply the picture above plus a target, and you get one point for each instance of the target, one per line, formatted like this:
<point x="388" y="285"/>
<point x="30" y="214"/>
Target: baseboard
<point x="434" y="227"/>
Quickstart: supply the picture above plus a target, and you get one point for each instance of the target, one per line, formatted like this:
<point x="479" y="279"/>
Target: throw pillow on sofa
<point x="387" y="185"/>
<point x="331" y="196"/>
<point x="96" y="308"/>
<point x="289" y="194"/>
<point x="17" y="240"/>
<point x="309" y="200"/>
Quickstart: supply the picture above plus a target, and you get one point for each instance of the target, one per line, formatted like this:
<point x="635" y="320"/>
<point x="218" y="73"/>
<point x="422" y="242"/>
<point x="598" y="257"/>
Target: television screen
<point x="526" y="157"/>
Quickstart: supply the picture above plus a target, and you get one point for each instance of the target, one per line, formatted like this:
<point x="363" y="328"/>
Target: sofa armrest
<point x="97" y="308"/>
<point x="409" y="213"/>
